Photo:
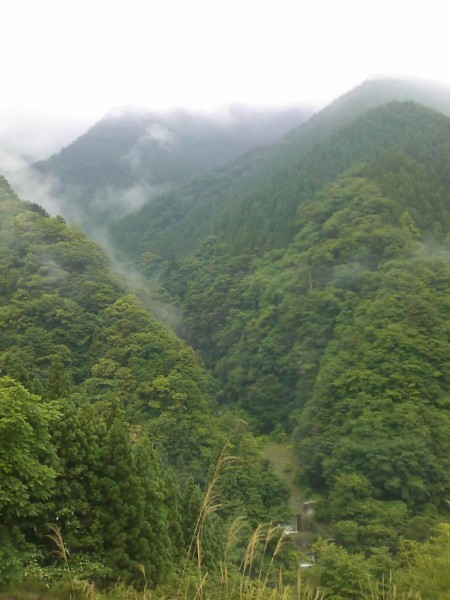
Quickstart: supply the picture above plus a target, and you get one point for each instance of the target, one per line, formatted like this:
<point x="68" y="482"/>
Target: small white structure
<point x="287" y="529"/>
<point x="308" y="509"/>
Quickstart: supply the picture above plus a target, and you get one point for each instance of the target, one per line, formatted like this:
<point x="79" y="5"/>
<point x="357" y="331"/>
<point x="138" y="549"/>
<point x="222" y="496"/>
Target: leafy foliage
<point x="111" y="415"/>
<point x="341" y="334"/>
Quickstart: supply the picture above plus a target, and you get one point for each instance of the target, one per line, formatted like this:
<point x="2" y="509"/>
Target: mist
<point x="26" y="137"/>
<point x="131" y="156"/>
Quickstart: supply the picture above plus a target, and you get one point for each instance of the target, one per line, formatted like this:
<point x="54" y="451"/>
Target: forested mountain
<point x="108" y="422"/>
<point x="252" y="202"/>
<point x="131" y="156"/>
<point x="339" y="333"/>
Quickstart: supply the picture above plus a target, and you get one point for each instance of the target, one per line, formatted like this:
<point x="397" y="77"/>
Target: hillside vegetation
<point x="252" y="202"/>
<point x="340" y="336"/>
<point x="109" y="424"/>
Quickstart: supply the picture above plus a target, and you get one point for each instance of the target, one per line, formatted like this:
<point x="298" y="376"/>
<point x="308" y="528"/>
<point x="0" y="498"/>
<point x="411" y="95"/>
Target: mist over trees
<point x="134" y="155"/>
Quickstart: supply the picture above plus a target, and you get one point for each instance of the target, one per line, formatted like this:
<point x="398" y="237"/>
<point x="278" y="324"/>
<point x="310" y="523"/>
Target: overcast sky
<point x="76" y="59"/>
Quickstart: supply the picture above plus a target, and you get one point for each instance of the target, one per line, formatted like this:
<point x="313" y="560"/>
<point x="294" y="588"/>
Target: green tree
<point x="27" y="467"/>
<point x="121" y="498"/>
<point x="58" y="384"/>
<point x="79" y="441"/>
<point x="424" y="567"/>
<point x="340" y="575"/>
<point x="154" y="547"/>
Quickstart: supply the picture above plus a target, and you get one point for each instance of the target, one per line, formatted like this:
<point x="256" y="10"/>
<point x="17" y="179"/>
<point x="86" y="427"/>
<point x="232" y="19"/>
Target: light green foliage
<point x="340" y="575"/>
<point x="361" y="521"/>
<point x="27" y="460"/>
<point x="340" y="333"/>
<point x="424" y="566"/>
<point x="254" y="489"/>
<point x="27" y="468"/>
<point x="383" y="388"/>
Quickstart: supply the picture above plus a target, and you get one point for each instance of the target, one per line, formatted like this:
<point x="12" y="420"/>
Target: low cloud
<point x="26" y="138"/>
<point x="116" y="203"/>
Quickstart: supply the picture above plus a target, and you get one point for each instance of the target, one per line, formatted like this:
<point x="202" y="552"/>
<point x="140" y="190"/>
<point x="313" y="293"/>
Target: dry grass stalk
<point x="271" y="533"/>
<point x="211" y="504"/>
<point x="199" y="591"/>
<point x="144" y="575"/>
<point x="280" y="544"/>
<point x="249" y="557"/>
<point x="233" y="536"/>
<point x="61" y="551"/>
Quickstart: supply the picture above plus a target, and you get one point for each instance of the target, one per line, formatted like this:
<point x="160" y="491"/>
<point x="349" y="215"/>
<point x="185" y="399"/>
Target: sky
<point x="65" y="63"/>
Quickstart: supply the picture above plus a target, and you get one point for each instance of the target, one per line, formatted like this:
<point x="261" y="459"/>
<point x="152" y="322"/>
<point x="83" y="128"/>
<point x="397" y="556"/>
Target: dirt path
<point x="281" y="457"/>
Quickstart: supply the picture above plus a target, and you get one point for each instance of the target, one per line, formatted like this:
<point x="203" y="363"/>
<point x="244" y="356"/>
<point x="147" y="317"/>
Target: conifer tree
<point x="153" y="546"/>
<point x="122" y="500"/>
<point x="58" y="384"/>
<point x="78" y="440"/>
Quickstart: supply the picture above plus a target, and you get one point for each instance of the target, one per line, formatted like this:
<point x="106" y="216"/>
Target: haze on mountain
<point x="258" y="184"/>
<point x="201" y="56"/>
<point x="134" y="155"/>
<point x="313" y="279"/>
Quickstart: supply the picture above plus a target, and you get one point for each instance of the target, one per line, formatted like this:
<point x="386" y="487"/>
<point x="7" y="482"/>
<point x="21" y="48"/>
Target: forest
<point x="311" y="280"/>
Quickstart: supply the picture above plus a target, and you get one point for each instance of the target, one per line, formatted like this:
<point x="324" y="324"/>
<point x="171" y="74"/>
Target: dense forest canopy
<point x="320" y="306"/>
<point x="252" y="201"/>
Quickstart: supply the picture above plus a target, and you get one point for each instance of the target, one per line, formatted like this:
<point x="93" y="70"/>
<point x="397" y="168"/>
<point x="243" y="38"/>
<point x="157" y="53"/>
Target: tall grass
<point x="255" y="577"/>
<point x="251" y="580"/>
<point x="61" y="552"/>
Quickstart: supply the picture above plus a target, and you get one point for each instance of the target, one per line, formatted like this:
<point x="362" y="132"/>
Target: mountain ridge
<point x="340" y="333"/>
<point x="217" y="192"/>
<point x="148" y="152"/>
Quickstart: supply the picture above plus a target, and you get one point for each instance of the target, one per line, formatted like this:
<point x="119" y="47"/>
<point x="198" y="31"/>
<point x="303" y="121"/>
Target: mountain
<point x="252" y="202"/>
<point x="320" y="306"/>
<point x="59" y="300"/>
<point x="402" y="151"/>
<point x="313" y="278"/>
<point x="131" y="156"/>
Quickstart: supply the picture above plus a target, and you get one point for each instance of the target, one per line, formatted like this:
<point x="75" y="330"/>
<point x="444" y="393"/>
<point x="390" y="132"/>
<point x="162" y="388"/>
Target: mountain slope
<point x="252" y="201"/>
<point x="342" y="335"/>
<point x="402" y="152"/>
<point x="59" y="300"/>
<point x="108" y="421"/>
<point x="128" y="157"/>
